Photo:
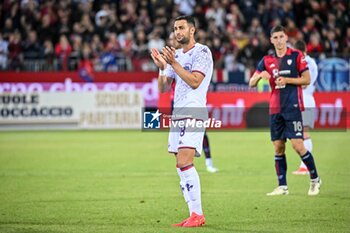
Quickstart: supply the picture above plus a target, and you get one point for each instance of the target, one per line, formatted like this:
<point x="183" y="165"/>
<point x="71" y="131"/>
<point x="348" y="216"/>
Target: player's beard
<point x="184" y="40"/>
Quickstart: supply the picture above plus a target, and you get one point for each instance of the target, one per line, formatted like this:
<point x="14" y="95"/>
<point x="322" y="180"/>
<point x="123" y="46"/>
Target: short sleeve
<point x="202" y="61"/>
<point x="301" y="63"/>
<point x="313" y="70"/>
<point x="261" y="66"/>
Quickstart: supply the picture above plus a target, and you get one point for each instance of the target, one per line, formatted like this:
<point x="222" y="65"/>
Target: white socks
<point x="183" y="188"/>
<point x="191" y="189"/>
<point x="208" y="162"/>
<point x="308" y="146"/>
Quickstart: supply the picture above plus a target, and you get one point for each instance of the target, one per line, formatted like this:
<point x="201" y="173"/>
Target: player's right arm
<point x="164" y="82"/>
<point x="259" y="74"/>
<point x="253" y="81"/>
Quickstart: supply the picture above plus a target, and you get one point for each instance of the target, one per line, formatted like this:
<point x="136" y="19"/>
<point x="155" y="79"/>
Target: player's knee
<point x="299" y="148"/>
<point x="280" y="149"/>
<point x="182" y="164"/>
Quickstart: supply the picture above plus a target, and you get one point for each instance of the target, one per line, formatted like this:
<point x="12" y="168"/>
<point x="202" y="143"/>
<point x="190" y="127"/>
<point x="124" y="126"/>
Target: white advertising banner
<point x="75" y="110"/>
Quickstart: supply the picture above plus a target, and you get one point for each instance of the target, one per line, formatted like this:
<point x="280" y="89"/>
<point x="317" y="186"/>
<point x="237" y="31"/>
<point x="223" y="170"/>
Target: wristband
<point x="161" y="72"/>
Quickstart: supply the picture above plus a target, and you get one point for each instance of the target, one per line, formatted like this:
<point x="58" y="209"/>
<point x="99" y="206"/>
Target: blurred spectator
<point x="255" y="28"/>
<point x="331" y="45"/>
<point x="46" y="31"/>
<point x="62" y="51"/>
<point x="216" y="12"/>
<point x="110" y="55"/>
<point x="31" y="47"/>
<point x="86" y="66"/>
<point x="127" y="42"/>
<point x="48" y="54"/>
<point x="250" y="54"/>
<point x="314" y="47"/>
<point x="3" y="52"/>
<point x="102" y="25"/>
<point x="118" y="32"/>
<point x="234" y="18"/>
<point x="346" y="51"/>
<point x="140" y="47"/>
<point x="64" y="26"/>
<point x="185" y="6"/>
<point x="309" y="27"/>
<point x="218" y="52"/>
<point x="96" y="46"/>
<point x="292" y="31"/>
<point x="8" y="28"/>
<point x="155" y="41"/>
<point x="15" y="51"/>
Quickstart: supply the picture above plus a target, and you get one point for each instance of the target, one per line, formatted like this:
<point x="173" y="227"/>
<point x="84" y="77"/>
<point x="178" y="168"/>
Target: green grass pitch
<point x="124" y="181"/>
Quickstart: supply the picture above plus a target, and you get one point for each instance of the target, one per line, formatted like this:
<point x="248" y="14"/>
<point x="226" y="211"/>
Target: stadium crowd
<point x="117" y="35"/>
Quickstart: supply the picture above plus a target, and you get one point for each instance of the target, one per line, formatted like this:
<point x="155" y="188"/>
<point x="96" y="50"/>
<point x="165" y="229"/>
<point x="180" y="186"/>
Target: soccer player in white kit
<point x="192" y="67"/>
<point x="309" y="103"/>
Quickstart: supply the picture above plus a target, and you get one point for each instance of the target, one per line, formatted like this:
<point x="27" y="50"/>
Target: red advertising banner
<point x="241" y="110"/>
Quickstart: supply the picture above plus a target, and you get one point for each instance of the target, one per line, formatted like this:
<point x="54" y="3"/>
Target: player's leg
<point x="208" y="159"/>
<point x="294" y="131"/>
<point x="277" y="138"/>
<point x="281" y="169"/>
<point x="173" y="144"/>
<point x="308" y="122"/>
<point x="188" y="172"/>
<point x="302" y="170"/>
<point x="307" y="139"/>
<point x="190" y="145"/>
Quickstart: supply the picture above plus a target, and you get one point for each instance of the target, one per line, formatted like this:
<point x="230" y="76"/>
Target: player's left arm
<point x="193" y="79"/>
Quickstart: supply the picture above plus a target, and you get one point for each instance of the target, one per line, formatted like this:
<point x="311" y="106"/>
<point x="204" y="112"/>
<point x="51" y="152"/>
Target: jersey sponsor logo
<point x="284" y="72"/>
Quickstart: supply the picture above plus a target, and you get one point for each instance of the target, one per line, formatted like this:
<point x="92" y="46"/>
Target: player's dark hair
<point x="300" y="45"/>
<point x="189" y="19"/>
<point x="277" y="28"/>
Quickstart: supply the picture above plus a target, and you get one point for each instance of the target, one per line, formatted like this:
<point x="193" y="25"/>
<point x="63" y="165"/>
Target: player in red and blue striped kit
<point x="287" y="70"/>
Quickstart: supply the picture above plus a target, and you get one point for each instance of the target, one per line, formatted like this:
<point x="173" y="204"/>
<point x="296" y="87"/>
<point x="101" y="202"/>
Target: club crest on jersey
<point x="289" y="62"/>
<point x="188" y="66"/>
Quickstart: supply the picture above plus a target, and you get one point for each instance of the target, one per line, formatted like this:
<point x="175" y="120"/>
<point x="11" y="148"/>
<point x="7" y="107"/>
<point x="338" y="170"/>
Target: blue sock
<point x="281" y="169"/>
<point x="308" y="160"/>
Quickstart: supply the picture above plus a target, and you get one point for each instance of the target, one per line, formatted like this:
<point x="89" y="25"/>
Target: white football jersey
<point x="309" y="101"/>
<point x="198" y="59"/>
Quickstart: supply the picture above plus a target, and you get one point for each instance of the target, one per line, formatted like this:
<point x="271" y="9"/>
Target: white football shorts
<point x="308" y="116"/>
<point x="186" y="137"/>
